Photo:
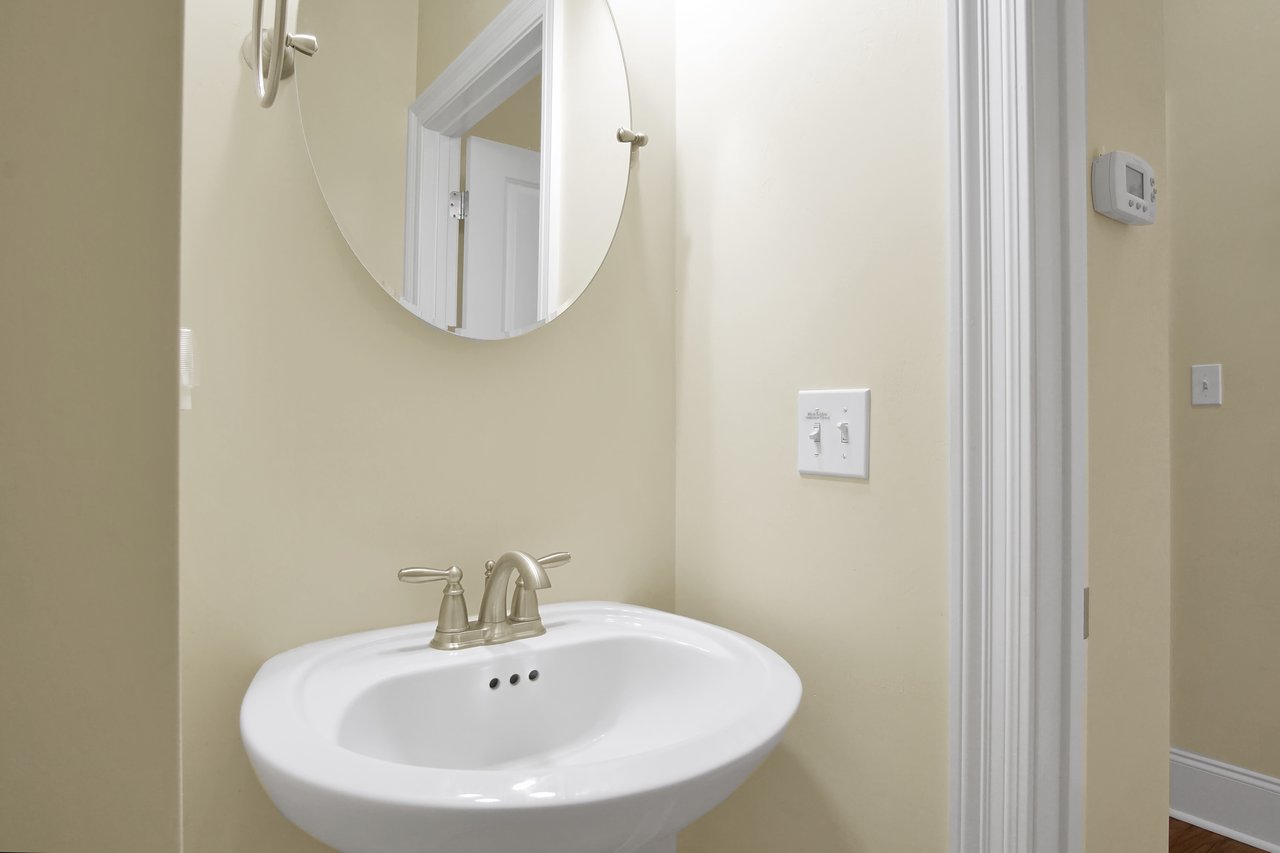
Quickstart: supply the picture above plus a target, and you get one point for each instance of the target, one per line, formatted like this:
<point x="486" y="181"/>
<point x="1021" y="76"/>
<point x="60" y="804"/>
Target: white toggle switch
<point x="1206" y="384"/>
<point x="849" y="412"/>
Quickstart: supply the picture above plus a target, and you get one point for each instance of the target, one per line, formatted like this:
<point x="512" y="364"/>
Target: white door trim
<point x="1019" y="424"/>
<point x="506" y="55"/>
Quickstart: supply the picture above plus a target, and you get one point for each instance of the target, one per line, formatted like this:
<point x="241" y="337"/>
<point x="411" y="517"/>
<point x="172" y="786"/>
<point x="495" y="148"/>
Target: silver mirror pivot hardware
<point x="303" y="43"/>
<point x="639" y="140"/>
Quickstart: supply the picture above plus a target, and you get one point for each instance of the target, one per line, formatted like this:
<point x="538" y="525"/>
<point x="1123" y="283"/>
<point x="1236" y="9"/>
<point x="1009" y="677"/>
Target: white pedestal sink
<point x="608" y="734"/>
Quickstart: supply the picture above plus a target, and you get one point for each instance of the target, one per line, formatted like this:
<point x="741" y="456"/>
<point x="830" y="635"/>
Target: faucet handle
<point x="453" y="605"/>
<point x="524" y="602"/>
<point x="421" y="574"/>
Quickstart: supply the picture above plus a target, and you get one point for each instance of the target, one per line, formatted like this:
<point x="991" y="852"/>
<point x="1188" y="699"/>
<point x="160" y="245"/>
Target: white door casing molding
<point x="506" y="55"/>
<point x="1019" y="424"/>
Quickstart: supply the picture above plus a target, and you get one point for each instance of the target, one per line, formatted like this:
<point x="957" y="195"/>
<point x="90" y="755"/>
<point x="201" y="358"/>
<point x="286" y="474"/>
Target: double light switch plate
<point x="834" y="433"/>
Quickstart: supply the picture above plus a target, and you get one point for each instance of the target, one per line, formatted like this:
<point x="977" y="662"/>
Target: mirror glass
<point x="468" y="150"/>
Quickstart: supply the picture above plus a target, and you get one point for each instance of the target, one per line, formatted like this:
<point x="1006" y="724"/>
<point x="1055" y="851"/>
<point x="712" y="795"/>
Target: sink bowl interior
<point x="602" y="699"/>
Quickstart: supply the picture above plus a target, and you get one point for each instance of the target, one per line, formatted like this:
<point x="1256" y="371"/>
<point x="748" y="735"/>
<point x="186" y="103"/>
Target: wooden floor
<point x="1185" y="838"/>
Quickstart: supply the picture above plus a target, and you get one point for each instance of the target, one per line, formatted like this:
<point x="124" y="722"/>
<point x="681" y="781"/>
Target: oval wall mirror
<point x="469" y="151"/>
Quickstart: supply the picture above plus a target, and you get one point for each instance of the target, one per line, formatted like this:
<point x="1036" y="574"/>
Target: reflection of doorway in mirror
<point x="542" y="75"/>
<point x="500" y="294"/>
<point x="498" y="273"/>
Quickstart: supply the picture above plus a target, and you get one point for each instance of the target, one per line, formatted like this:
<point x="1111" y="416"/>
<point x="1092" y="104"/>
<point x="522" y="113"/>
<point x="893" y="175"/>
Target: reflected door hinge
<point x="458" y="202"/>
<point x="1086" y="612"/>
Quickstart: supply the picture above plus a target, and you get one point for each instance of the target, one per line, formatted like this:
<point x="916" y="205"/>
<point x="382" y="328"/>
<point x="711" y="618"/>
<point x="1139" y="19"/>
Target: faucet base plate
<point x="487" y="634"/>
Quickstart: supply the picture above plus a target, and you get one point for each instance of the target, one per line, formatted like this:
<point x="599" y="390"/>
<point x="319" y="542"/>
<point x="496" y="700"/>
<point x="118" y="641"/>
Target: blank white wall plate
<point x="833" y="433"/>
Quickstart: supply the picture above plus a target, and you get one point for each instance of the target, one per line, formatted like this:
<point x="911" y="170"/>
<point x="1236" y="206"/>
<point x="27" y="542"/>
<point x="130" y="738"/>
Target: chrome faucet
<point x="496" y="624"/>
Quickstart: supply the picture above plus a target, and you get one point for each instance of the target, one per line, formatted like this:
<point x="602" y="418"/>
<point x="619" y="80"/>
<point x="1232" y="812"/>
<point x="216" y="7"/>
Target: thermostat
<point x="1124" y="188"/>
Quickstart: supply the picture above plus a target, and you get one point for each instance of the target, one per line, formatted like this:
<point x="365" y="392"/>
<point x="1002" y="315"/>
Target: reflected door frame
<point x="1018" y="196"/>
<point x="506" y="55"/>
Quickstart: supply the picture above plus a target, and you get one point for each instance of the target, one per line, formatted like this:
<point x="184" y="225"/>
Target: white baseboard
<point x="1225" y="799"/>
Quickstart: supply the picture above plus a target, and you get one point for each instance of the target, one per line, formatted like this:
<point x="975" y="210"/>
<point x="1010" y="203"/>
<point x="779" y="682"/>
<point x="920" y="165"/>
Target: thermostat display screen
<point x="1133" y="180"/>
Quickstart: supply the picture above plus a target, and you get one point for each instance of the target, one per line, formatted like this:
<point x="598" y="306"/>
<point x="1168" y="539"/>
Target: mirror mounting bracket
<point x="637" y="140"/>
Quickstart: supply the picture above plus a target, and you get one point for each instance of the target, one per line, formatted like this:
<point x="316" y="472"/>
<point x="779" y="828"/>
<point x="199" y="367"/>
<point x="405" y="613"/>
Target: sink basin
<point x="608" y="734"/>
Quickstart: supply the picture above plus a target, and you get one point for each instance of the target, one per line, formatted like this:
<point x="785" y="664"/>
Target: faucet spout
<point x="493" y="607"/>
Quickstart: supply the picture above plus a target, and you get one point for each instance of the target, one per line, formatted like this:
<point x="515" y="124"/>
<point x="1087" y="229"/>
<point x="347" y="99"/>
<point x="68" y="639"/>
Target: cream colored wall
<point x="89" y="182"/>
<point x="1224" y="121"/>
<point x="811" y="228"/>
<point x="335" y="438"/>
<point x="1127" y="728"/>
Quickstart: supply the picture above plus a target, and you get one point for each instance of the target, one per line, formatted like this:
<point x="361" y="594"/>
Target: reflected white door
<point x="500" y="246"/>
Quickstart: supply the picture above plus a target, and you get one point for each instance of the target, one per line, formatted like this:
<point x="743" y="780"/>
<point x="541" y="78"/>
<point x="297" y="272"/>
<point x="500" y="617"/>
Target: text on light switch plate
<point x="833" y="432"/>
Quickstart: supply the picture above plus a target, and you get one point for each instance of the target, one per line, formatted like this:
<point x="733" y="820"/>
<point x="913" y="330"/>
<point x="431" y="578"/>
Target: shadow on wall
<point x="805" y="802"/>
